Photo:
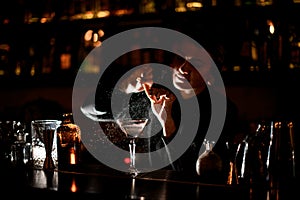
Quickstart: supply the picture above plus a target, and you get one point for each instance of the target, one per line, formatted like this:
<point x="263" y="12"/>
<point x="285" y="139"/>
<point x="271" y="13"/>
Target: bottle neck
<point x="67" y="118"/>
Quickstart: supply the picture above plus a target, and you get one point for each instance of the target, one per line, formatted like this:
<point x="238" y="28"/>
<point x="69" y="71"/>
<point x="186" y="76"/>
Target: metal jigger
<point x="44" y="136"/>
<point x="48" y="136"/>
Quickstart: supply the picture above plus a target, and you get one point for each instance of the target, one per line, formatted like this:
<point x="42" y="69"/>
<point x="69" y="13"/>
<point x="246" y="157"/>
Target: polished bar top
<point x="100" y="182"/>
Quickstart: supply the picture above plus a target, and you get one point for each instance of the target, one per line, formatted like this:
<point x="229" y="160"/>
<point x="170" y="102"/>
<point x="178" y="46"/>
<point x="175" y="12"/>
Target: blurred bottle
<point x="293" y="49"/>
<point x="209" y="165"/>
<point x="147" y="6"/>
<point x="69" y="143"/>
<point x="21" y="146"/>
<point x="66" y="58"/>
<point x="281" y="162"/>
<point x="48" y="55"/>
<point x="5" y="58"/>
<point x="32" y="66"/>
<point x="266" y="160"/>
<point x="231" y="170"/>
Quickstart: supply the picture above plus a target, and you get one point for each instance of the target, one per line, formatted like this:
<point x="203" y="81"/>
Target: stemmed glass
<point x="133" y="128"/>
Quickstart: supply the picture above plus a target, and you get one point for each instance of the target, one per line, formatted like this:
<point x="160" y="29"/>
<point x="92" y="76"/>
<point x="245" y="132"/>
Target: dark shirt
<point x="187" y="162"/>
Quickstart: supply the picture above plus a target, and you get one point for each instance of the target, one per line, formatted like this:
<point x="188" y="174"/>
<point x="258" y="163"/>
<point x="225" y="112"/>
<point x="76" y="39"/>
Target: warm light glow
<point x="43" y="20"/>
<point x="236" y="68"/>
<point x="229" y="180"/>
<point x="272" y="29"/>
<point x="103" y="13"/>
<point x="88" y="35"/>
<point x="264" y="2"/>
<point x="72" y="156"/>
<point x="5" y="47"/>
<point x="33" y="20"/>
<point x="254" y="52"/>
<point x="271" y="26"/>
<point x="291" y="66"/>
<point x="73" y="186"/>
<point x="123" y="12"/>
<point x="100" y="33"/>
<point x="65" y="61"/>
<point x="194" y="5"/>
<point x="32" y="71"/>
<point x="88" y="15"/>
<point x="77" y="16"/>
<point x="97" y="44"/>
<point x="6" y="21"/>
<point x="95" y="37"/>
<point x="18" y="70"/>
<point x="180" y="8"/>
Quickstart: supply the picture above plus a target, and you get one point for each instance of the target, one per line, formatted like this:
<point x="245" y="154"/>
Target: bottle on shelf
<point x="5" y="58"/>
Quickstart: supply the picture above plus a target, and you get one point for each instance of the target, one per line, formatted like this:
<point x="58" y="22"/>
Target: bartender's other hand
<point x="134" y="82"/>
<point x="161" y="105"/>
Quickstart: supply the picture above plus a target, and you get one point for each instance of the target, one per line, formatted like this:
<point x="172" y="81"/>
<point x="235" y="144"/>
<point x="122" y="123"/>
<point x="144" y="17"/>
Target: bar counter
<point x="100" y="182"/>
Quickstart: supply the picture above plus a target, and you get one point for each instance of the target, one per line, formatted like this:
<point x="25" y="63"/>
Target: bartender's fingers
<point x="163" y="106"/>
<point x="152" y="97"/>
<point x="157" y="95"/>
<point x="147" y="89"/>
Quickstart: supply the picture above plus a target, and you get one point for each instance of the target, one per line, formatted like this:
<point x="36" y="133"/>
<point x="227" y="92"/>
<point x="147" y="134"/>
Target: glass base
<point x="133" y="172"/>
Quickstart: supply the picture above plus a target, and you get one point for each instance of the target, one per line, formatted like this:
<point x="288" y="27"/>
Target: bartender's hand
<point x="135" y="81"/>
<point x="161" y="103"/>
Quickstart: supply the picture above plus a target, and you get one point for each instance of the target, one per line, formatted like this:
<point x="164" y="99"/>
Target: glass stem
<point x="132" y="153"/>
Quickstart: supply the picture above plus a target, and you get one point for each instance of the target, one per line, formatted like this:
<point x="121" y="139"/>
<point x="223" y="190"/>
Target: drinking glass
<point x="44" y="144"/>
<point x="133" y="128"/>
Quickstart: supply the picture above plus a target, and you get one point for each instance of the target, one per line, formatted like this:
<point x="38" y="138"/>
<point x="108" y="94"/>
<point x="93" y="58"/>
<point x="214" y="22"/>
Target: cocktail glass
<point x="133" y="128"/>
